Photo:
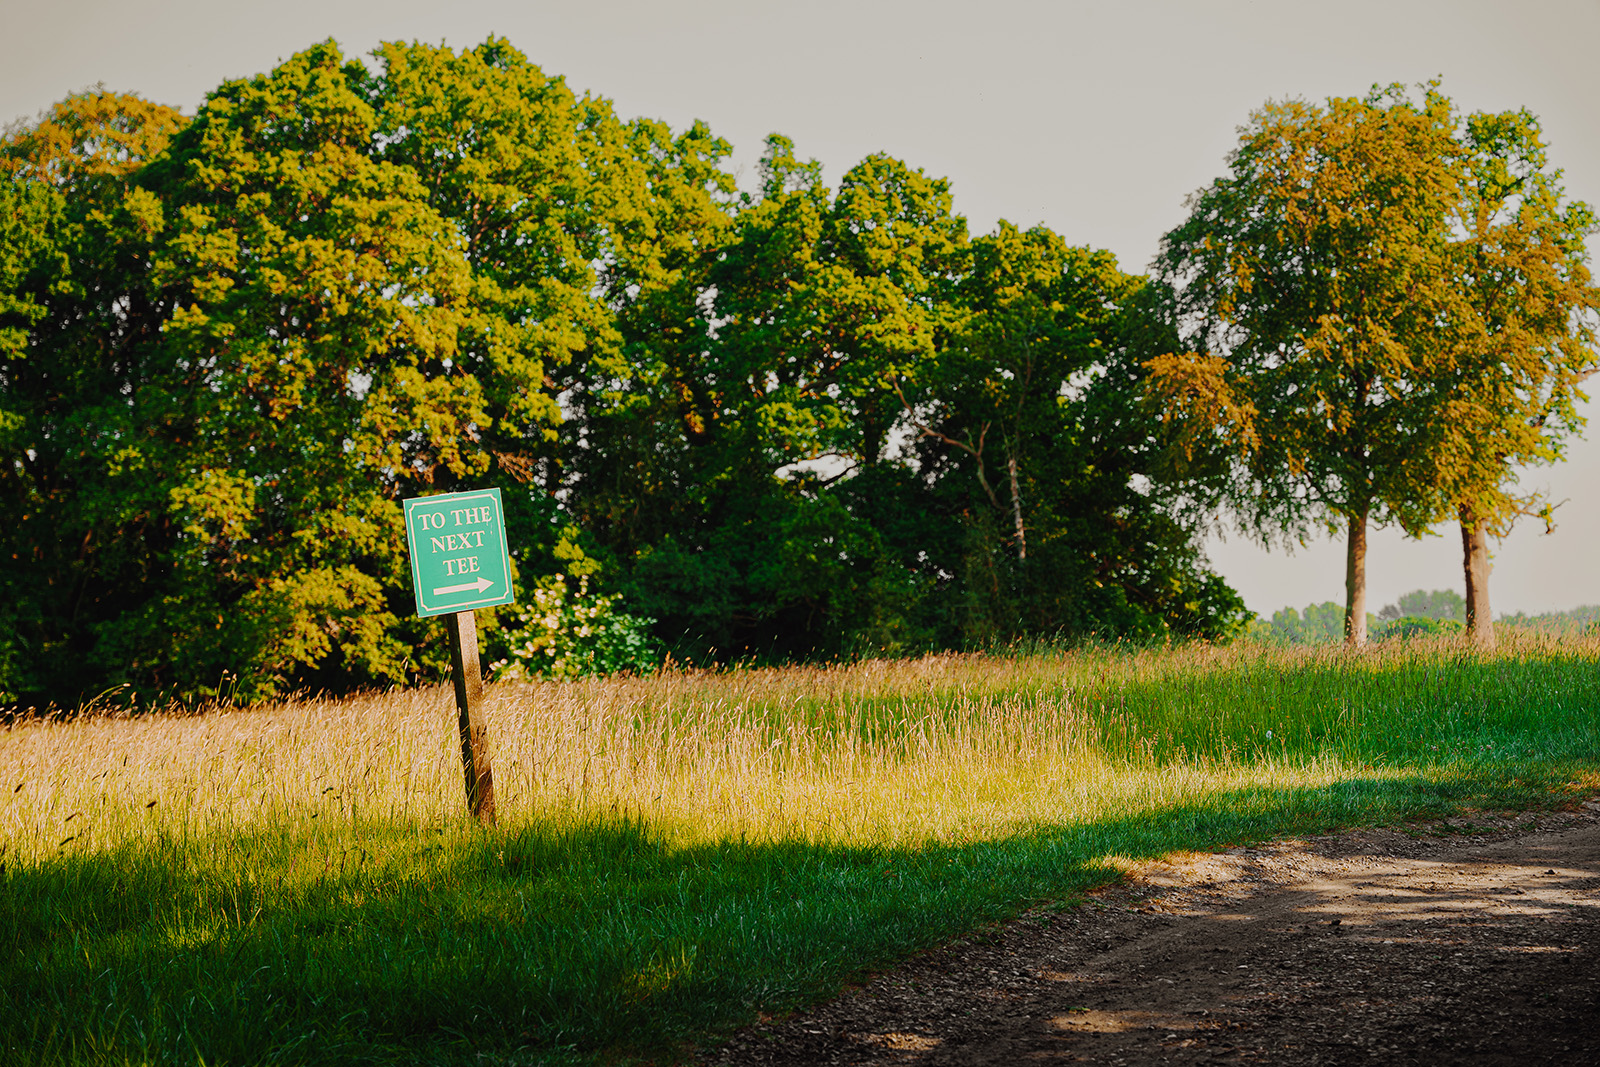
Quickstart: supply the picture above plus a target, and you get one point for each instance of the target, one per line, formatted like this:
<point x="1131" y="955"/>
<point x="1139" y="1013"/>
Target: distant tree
<point x="1324" y="622"/>
<point x="1579" y="620"/>
<point x="1522" y="337"/>
<point x="1421" y="604"/>
<point x="1408" y="626"/>
<point x="1318" y="624"/>
<point x="1309" y="286"/>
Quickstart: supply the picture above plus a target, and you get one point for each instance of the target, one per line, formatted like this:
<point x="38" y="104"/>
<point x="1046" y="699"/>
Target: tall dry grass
<point x="947" y="747"/>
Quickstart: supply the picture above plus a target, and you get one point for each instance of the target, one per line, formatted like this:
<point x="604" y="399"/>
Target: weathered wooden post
<point x="452" y="536"/>
<point x="469" y="714"/>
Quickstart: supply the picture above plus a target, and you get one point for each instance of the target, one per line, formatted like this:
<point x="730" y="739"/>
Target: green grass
<point x="677" y="854"/>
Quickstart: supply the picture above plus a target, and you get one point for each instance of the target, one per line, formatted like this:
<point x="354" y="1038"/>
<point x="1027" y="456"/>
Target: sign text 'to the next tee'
<point x="459" y="560"/>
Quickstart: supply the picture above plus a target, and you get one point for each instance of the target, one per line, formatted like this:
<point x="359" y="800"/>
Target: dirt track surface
<point x="1473" y="941"/>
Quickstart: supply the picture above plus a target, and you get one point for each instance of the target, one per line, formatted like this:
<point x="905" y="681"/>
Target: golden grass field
<point x="945" y="747"/>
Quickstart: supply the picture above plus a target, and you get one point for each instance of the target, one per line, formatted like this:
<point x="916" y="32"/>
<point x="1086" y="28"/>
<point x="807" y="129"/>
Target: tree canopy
<point x="1521" y="339"/>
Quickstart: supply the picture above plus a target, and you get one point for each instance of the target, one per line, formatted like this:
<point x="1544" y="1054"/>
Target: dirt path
<point x="1475" y="941"/>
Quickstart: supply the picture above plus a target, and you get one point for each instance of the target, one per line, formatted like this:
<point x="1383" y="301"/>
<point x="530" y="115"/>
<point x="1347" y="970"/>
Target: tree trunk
<point x="1475" y="561"/>
<point x="1355" y="580"/>
<point x="1016" y="510"/>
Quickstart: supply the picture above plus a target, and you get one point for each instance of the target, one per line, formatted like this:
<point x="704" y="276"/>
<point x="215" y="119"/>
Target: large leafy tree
<point x="314" y="376"/>
<point x="768" y="356"/>
<point x="1312" y="285"/>
<point x="535" y="183"/>
<point x="584" y="234"/>
<point x="1523" y="337"/>
<point x="332" y="289"/>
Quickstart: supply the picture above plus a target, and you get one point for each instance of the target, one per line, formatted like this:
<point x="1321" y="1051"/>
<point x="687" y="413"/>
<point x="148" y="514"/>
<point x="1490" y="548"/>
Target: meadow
<point x="299" y="884"/>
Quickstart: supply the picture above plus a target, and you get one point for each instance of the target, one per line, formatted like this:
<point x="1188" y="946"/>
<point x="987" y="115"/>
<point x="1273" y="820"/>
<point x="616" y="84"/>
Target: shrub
<point x="566" y="634"/>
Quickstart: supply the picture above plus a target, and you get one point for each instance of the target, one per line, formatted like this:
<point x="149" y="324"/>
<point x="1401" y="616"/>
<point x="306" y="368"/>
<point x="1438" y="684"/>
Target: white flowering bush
<point x="565" y="634"/>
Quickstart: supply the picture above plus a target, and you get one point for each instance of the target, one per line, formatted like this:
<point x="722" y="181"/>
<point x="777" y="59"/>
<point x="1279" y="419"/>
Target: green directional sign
<point x="459" y="560"/>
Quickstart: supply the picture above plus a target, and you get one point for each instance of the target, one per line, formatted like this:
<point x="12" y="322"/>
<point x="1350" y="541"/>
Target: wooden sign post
<point x="469" y="714"/>
<point x="459" y="562"/>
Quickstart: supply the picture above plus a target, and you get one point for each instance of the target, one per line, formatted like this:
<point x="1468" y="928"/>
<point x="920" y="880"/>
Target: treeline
<point x="1579" y="620"/>
<point x="787" y="421"/>
<point x="1419" y="612"/>
<point x="794" y="420"/>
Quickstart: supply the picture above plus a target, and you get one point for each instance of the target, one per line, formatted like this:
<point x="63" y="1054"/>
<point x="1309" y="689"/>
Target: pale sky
<point x="1096" y="119"/>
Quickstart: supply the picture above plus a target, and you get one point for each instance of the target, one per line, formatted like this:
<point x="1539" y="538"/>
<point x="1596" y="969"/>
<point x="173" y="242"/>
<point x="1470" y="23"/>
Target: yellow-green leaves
<point x="1319" y="274"/>
<point x="1192" y="392"/>
<point x="1523" y="335"/>
<point x="332" y="288"/>
<point x="90" y="140"/>
<point x="1391" y="307"/>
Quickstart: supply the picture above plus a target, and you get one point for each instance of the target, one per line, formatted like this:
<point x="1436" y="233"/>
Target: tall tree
<point x="1020" y="340"/>
<point x="574" y="223"/>
<point x="1029" y="427"/>
<point x="1311" y="283"/>
<point x="318" y="372"/>
<point x="230" y="347"/>
<point x="775" y="359"/>
<point x="1523" y="337"/>
<point x="537" y="183"/>
<point x="80" y="332"/>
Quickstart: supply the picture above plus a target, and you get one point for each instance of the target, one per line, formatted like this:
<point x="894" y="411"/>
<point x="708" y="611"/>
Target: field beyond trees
<point x="676" y="853"/>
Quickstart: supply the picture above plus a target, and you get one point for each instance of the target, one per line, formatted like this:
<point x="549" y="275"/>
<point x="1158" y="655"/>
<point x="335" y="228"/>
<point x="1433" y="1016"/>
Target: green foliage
<point x="567" y="634"/>
<point x="1320" y="266"/>
<point x="1521" y="337"/>
<point x="1576" y="620"/>
<point x="807" y="458"/>
<point x="799" y="421"/>
<point x="311" y="332"/>
<point x="1385" y="309"/>
<point x="1435" y="614"/>
<point x="79" y="323"/>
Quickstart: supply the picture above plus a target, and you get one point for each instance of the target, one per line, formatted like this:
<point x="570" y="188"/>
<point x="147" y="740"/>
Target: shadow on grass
<point x="564" y="945"/>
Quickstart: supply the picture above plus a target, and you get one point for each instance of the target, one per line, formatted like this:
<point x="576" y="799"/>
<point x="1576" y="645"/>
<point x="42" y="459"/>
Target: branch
<point x="928" y="431"/>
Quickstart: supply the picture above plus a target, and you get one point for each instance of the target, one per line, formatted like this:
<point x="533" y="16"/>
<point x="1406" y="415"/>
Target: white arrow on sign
<point x="478" y="586"/>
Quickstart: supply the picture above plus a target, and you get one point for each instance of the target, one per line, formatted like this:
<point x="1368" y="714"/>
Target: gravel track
<point x="1475" y="940"/>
